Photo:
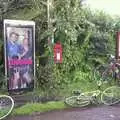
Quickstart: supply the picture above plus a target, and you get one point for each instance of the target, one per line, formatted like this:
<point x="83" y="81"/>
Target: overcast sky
<point x="111" y="7"/>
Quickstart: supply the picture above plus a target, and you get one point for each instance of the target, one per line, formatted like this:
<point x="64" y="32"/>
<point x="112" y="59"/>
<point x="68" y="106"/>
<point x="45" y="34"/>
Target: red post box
<point x="58" y="53"/>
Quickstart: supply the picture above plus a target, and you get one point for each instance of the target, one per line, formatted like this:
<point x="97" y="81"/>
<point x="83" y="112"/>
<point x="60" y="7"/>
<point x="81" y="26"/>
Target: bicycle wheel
<point x="108" y="75"/>
<point x="77" y="101"/>
<point x="99" y="71"/>
<point x="104" y="73"/>
<point x="6" y="106"/>
<point x="111" y="95"/>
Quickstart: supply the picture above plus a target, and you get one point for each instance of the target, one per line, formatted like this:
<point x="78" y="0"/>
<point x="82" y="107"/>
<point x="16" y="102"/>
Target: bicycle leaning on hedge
<point x="109" y="96"/>
<point x="110" y="71"/>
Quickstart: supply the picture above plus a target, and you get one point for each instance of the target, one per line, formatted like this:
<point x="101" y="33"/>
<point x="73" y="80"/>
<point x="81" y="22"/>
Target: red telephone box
<point x="58" y="53"/>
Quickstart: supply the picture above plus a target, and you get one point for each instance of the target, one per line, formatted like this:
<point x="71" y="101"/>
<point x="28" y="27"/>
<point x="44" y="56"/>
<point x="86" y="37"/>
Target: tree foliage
<point x="86" y="36"/>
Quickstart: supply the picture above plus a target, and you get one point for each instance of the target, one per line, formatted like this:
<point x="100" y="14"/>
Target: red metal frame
<point x="118" y="46"/>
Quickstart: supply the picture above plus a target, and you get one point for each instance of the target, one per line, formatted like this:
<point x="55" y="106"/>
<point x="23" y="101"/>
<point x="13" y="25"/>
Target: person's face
<point x="14" y="37"/>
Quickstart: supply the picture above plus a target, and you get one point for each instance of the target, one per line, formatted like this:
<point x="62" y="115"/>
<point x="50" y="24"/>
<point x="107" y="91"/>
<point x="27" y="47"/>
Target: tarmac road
<point x="88" y="113"/>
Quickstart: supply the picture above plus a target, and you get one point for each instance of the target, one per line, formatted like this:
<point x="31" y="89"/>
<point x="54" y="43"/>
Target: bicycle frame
<point x="108" y="97"/>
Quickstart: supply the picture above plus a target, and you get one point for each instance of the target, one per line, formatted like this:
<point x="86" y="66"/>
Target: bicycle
<point x="6" y="106"/>
<point x="109" y="96"/>
<point x="108" y="72"/>
<point x="6" y="101"/>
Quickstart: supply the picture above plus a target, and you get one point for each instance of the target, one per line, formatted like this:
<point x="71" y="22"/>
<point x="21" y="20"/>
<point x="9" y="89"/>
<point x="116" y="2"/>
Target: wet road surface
<point x="90" y="113"/>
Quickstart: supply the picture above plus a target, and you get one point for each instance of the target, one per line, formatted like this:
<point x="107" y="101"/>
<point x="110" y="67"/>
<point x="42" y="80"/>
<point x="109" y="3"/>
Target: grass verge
<point x="31" y="108"/>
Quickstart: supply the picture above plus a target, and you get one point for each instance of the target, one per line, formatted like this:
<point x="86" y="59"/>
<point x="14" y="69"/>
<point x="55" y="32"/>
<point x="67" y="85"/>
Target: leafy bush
<point x="86" y="38"/>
